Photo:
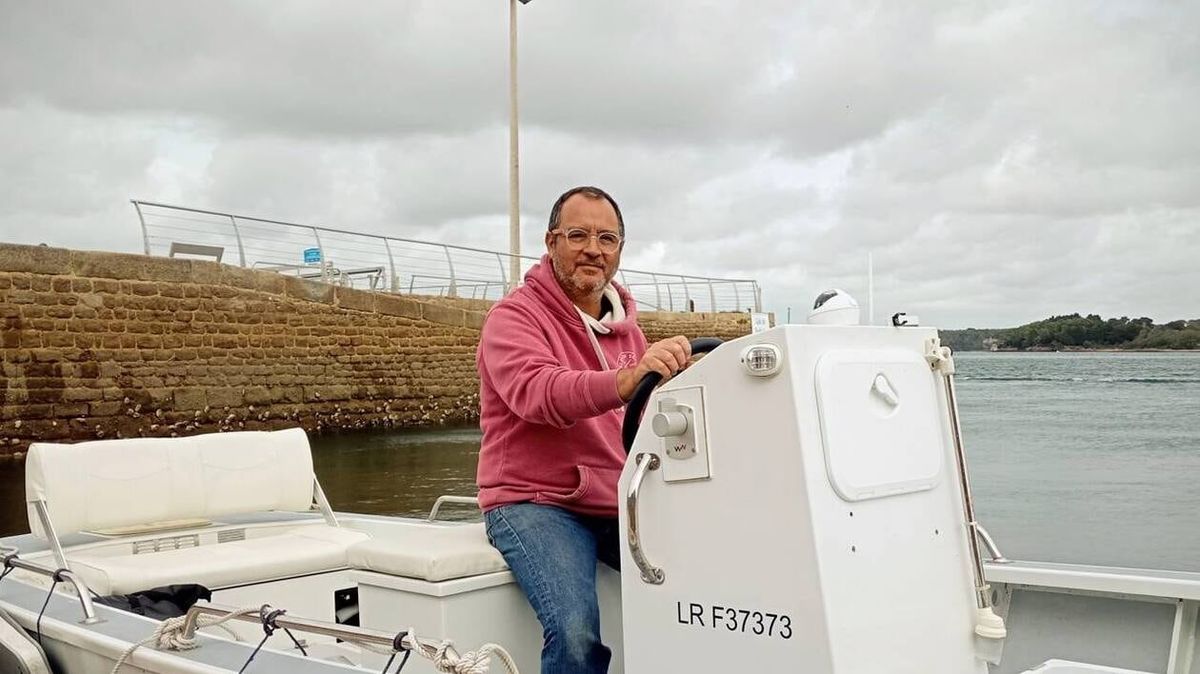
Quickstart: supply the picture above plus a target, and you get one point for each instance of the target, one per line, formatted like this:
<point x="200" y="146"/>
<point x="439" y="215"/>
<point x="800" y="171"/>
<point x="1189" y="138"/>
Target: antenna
<point x="870" y="289"/>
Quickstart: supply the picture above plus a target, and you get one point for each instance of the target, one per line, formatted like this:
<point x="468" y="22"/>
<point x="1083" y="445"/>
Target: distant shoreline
<point x="1079" y="350"/>
<point x="1074" y="332"/>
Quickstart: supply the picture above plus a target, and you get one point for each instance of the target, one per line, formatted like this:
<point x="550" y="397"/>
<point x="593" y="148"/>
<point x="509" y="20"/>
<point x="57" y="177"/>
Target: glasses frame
<point x="565" y="233"/>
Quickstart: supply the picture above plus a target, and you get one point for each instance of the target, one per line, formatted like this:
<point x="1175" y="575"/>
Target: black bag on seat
<point x="159" y="603"/>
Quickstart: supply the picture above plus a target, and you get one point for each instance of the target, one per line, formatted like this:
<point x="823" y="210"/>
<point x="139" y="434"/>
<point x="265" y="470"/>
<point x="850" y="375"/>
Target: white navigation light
<point x="834" y="307"/>
<point x="762" y="360"/>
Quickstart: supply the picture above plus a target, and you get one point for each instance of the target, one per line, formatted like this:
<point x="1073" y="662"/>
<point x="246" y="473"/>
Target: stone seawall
<point x="103" y="345"/>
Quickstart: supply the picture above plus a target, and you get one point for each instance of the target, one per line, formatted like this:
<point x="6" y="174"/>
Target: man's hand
<point x="667" y="358"/>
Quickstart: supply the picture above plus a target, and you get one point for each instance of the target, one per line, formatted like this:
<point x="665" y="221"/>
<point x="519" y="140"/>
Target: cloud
<point x="1001" y="162"/>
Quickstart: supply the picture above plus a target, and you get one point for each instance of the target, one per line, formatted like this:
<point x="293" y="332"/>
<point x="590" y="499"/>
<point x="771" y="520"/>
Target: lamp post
<point x="514" y="179"/>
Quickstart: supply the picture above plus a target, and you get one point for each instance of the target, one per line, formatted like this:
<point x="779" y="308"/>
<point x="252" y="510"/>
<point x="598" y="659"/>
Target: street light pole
<point x="514" y="189"/>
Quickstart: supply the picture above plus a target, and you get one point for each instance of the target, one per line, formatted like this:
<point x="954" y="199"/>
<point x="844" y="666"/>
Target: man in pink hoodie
<point x="558" y="359"/>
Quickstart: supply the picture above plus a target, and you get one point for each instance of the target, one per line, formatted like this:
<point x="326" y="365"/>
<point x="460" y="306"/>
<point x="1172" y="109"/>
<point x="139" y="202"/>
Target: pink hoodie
<point x="549" y="410"/>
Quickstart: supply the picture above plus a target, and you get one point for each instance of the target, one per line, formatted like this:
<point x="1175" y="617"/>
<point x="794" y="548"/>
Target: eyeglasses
<point x="577" y="239"/>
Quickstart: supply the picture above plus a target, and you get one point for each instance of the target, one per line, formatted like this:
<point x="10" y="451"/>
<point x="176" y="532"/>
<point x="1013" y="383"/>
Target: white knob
<point x="669" y="423"/>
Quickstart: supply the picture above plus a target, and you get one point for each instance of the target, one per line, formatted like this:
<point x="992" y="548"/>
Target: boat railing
<point x="282" y="619"/>
<point x="1127" y="586"/>
<point x="445" y="499"/>
<point x="394" y="264"/>
<point x="12" y="560"/>
<point x="993" y="551"/>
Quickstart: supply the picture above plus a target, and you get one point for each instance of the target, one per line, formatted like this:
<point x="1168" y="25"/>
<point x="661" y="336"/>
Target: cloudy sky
<point x="1002" y="161"/>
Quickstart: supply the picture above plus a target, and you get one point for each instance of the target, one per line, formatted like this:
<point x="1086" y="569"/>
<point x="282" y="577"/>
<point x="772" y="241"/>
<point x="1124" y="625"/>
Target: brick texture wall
<point x="661" y="324"/>
<point x="104" y="345"/>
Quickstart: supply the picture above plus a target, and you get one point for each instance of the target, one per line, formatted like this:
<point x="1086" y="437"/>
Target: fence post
<point x="687" y="297"/>
<point x="503" y="276"/>
<point x="391" y="264"/>
<point x="145" y="235"/>
<point x="737" y="299"/>
<point x="324" y="262"/>
<point x="712" y="296"/>
<point x="237" y="234"/>
<point x="757" y="296"/>
<point x="453" y="290"/>
<point x="657" y="292"/>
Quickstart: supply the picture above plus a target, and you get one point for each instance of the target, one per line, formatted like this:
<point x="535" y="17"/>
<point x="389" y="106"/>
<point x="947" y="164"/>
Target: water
<point x="1086" y="457"/>
<point x="1075" y="457"/>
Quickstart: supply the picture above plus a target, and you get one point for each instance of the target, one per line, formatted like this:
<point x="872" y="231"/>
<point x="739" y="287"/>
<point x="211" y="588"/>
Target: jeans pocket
<point x="488" y="525"/>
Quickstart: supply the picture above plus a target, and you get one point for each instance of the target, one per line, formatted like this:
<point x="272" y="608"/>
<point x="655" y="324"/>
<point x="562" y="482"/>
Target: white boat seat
<point x="102" y="484"/>
<point x="309" y="549"/>
<point x="429" y="552"/>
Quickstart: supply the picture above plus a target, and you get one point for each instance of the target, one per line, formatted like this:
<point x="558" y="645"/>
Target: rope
<point x="392" y="658"/>
<point x="169" y="635"/>
<point x="254" y="652"/>
<point x="38" y="626"/>
<point x="441" y="654"/>
<point x="446" y="659"/>
<point x="269" y="626"/>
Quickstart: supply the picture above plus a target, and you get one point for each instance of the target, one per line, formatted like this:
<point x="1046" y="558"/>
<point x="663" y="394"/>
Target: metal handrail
<point x="12" y="560"/>
<point x="997" y="556"/>
<point x="650" y="573"/>
<point x="344" y="632"/>
<point x="230" y="229"/>
<point x="447" y="498"/>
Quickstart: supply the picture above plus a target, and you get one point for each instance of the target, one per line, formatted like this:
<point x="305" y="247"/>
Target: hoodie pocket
<point x="574" y="496"/>
<point x="597" y="488"/>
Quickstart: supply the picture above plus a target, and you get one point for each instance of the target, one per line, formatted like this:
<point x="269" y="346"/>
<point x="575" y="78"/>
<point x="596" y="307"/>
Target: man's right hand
<point x="666" y="357"/>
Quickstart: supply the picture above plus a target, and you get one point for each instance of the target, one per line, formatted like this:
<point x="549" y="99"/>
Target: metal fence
<point x="393" y="264"/>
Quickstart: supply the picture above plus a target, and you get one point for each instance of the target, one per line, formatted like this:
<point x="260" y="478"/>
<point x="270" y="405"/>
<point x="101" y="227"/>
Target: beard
<point x="575" y="286"/>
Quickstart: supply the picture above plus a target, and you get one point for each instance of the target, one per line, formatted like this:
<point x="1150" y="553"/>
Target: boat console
<point x="793" y="498"/>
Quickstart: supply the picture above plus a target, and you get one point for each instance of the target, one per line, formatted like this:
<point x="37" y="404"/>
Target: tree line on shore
<point x="1079" y="332"/>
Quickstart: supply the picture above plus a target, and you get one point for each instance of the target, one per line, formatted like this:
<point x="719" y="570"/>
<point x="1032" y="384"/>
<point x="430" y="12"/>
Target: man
<point x="558" y="359"/>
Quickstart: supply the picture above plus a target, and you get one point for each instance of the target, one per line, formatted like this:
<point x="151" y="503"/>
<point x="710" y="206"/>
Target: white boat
<point x="795" y="502"/>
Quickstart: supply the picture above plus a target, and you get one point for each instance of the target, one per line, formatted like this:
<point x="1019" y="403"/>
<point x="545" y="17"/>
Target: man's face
<point x="584" y="271"/>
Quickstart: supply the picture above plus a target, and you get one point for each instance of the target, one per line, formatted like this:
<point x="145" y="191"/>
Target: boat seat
<point x="309" y="549"/>
<point x="145" y="484"/>
<point x="432" y="552"/>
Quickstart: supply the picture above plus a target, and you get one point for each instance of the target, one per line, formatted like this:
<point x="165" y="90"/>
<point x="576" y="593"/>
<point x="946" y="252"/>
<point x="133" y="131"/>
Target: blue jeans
<point x="553" y="552"/>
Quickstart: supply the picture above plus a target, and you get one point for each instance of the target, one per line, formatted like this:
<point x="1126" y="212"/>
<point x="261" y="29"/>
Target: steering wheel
<point x="641" y="394"/>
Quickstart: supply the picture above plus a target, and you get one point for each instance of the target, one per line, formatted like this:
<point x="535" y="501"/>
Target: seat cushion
<point x="309" y="549"/>
<point x="433" y="552"/>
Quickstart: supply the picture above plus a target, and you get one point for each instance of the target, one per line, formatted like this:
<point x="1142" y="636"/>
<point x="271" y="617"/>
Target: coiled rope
<point x="446" y="659"/>
<point x="170" y="633"/>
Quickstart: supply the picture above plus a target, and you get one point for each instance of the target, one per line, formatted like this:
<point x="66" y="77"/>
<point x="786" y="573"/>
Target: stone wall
<point x="103" y="345"/>
<point x="661" y="324"/>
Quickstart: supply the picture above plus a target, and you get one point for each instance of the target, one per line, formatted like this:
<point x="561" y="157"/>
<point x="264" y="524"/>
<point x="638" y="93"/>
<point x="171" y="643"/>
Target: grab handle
<point x="650" y="573"/>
